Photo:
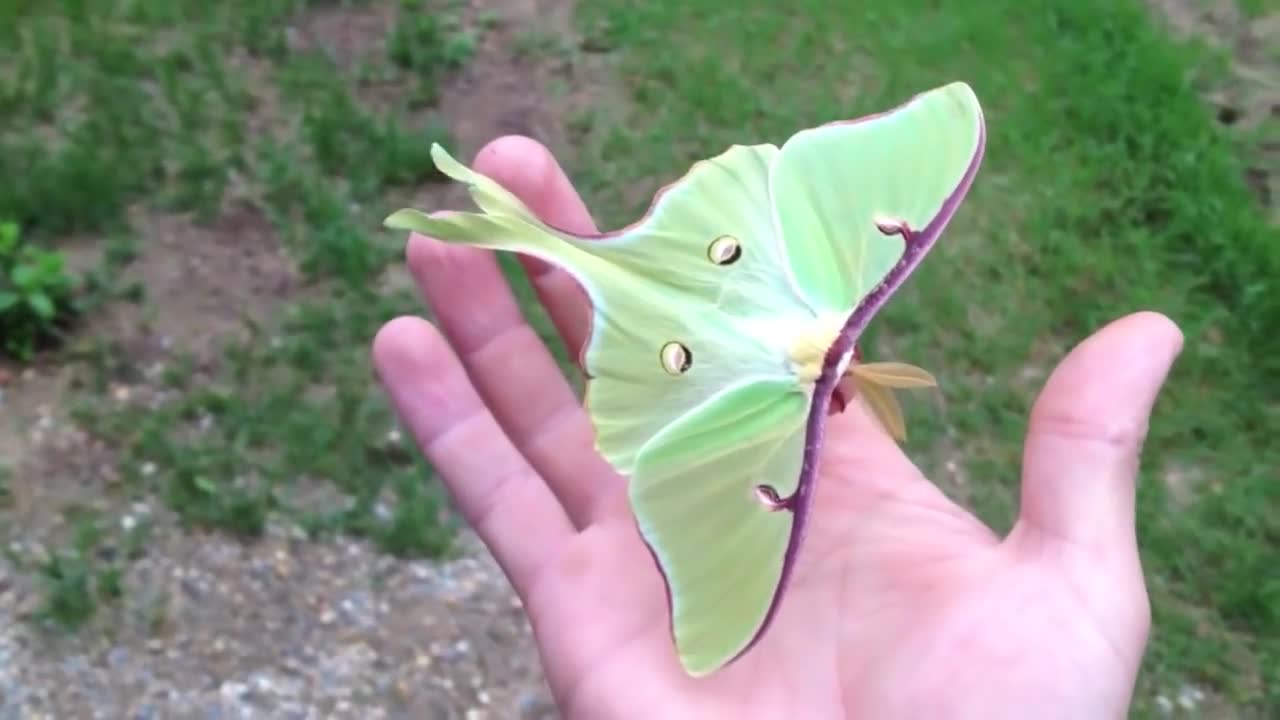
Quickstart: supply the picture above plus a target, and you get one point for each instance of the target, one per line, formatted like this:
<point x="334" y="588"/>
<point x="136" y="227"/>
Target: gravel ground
<point x="284" y="628"/>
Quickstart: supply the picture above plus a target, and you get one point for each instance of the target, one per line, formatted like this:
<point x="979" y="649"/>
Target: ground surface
<point x="207" y="624"/>
<point x="209" y="510"/>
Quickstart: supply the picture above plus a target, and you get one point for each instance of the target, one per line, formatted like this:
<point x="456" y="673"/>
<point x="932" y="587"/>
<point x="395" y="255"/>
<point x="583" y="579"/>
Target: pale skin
<point x="903" y="605"/>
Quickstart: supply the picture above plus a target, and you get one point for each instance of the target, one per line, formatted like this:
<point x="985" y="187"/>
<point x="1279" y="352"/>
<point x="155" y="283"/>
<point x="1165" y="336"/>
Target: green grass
<point x="1106" y="189"/>
<point x="199" y="108"/>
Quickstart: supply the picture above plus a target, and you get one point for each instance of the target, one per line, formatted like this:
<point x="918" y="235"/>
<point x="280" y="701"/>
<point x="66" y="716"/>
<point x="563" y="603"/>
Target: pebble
<point x="1189" y="697"/>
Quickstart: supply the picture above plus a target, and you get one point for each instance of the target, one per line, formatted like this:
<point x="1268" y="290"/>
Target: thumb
<point x="1086" y="432"/>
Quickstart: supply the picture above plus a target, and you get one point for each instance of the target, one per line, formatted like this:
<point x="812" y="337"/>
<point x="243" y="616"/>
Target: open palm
<point x="903" y="605"/>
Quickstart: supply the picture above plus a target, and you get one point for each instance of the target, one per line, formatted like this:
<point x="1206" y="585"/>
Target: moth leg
<point x="838" y="402"/>
<point x="895" y="226"/>
<point x="843" y="394"/>
<point x="845" y="388"/>
<point x="771" y="500"/>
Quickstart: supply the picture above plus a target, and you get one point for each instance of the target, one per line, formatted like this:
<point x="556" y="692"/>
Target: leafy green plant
<point x="78" y="580"/>
<point x="36" y="293"/>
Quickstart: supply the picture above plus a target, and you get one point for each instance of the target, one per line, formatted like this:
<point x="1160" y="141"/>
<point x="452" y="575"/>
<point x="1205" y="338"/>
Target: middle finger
<point x="513" y="371"/>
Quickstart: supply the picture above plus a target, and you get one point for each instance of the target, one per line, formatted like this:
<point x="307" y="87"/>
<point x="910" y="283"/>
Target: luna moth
<point x="724" y="326"/>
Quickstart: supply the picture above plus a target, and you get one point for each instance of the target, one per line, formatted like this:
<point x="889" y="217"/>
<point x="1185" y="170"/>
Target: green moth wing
<point x="651" y="286"/>
<point x="723" y="321"/>
<point x="723" y="547"/>
<point x="850" y="194"/>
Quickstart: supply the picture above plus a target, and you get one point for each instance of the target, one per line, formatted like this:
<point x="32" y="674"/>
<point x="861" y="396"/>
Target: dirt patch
<point x="1250" y="100"/>
<point x="499" y="90"/>
<point x="347" y="35"/>
<point x="203" y="283"/>
<point x="504" y="91"/>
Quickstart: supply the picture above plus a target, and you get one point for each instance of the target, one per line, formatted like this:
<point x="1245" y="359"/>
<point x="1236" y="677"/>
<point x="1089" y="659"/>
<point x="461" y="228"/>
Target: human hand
<point x="902" y="605"/>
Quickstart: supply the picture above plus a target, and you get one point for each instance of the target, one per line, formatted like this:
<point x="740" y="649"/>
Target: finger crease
<point x="498" y="495"/>
<point x="551" y="425"/>
<point x="443" y="437"/>
<point x="505" y="333"/>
